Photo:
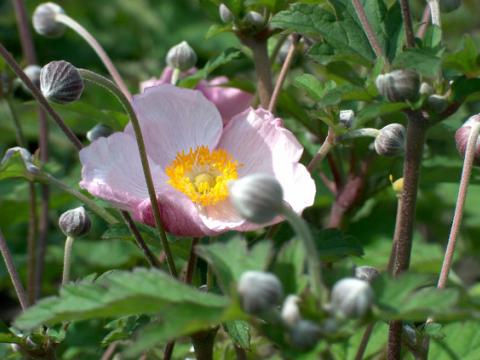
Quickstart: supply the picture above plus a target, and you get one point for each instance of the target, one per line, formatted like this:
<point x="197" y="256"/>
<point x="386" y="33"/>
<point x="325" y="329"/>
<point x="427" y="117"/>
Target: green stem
<point x="364" y="132"/>
<point x="175" y="76"/>
<point x="100" y="211"/>
<point x="313" y="259"/>
<point x="80" y="30"/>
<point x="323" y="151"/>
<point x="110" y="86"/>
<point x="67" y="260"/>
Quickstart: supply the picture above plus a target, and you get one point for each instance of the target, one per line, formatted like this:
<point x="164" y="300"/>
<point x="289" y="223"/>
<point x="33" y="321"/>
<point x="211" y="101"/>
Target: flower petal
<point x="111" y="170"/>
<point x="173" y="120"/>
<point x="258" y="141"/>
<point x="179" y="214"/>
<point x="229" y="101"/>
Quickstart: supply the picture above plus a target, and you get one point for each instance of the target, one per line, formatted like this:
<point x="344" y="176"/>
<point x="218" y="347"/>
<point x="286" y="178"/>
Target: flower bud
<point x="254" y="21"/>
<point x="26" y="158"/>
<point x="351" y="297"/>
<point x="346" y="118"/>
<point x="391" y="140"/>
<point x="461" y="138"/>
<point x="426" y="89"/>
<point x="45" y="22"/>
<point x="305" y="334"/>
<point x="98" y="131"/>
<point x="225" y="14"/>
<point x="399" y="85"/>
<point x="437" y="103"/>
<point x="33" y="73"/>
<point x="290" y="311"/>
<point x="181" y="57"/>
<point x="75" y="222"/>
<point x="447" y="6"/>
<point x="366" y="273"/>
<point x="61" y="82"/>
<point x="397" y="185"/>
<point x="257" y="197"/>
<point x="259" y="291"/>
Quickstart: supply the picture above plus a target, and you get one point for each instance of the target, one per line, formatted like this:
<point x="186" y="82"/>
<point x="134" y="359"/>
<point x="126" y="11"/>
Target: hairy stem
<point x="67" y="260"/>
<point x="323" y="151"/>
<point x="283" y="74"/>
<point x="462" y="195"/>
<point x="39" y="97"/>
<point x="107" y="84"/>
<point x="313" y="259"/>
<point x="29" y="51"/>
<point x="364" y="342"/>
<point x="367" y="28"/>
<point x="424" y="22"/>
<point x="407" y="23"/>
<point x="80" y="30"/>
<point x="13" y="273"/>
<point x="258" y="45"/>
<point x="416" y="134"/>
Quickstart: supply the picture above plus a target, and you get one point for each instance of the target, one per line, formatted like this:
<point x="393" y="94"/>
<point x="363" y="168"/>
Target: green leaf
<point x="120" y="293"/>
<point x="231" y="259"/>
<point x="463" y="87"/>
<point x="239" y="332"/>
<point x="290" y="265"/>
<point x="424" y="61"/>
<point x="224" y="58"/>
<point x="465" y="61"/>
<point x="377" y="109"/>
<point x="7" y="337"/>
<point x="333" y="245"/>
<point x="341" y="31"/>
<point x="13" y="165"/>
<point x="461" y="341"/>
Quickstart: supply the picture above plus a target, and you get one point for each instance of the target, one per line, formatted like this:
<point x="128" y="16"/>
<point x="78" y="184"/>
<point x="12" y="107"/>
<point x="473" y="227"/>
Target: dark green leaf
<point x="465" y="61"/>
<point x="464" y="87"/>
<point x="424" y="61"/>
<point x="461" y="341"/>
<point x="375" y="110"/>
<point x="333" y="245"/>
<point x="239" y="332"/>
<point x="290" y="266"/>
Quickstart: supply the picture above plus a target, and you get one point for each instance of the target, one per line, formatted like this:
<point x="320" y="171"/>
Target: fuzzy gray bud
<point x="257" y="197"/>
<point x="461" y="138"/>
<point x="61" y="82"/>
<point x="75" y="222"/>
<point x="225" y="14"/>
<point x="391" y="140"/>
<point x="290" y="311"/>
<point x="33" y="73"/>
<point x="399" y="85"/>
<point x="305" y="334"/>
<point x="426" y="89"/>
<point x="259" y="292"/>
<point x="347" y="118"/>
<point x="98" y="131"/>
<point x="447" y="6"/>
<point x="437" y="103"/>
<point x="45" y="22"/>
<point x="181" y="56"/>
<point x="254" y="21"/>
<point x="351" y="297"/>
<point x="366" y="273"/>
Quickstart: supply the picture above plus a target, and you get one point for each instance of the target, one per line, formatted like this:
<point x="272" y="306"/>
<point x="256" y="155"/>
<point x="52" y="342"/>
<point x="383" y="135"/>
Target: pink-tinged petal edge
<point x="258" y="141"/>
<point x="112" y="170"/>
<point x="174" y="120"/>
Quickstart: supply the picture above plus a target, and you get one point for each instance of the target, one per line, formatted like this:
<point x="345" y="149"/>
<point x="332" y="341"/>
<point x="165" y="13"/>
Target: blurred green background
<point x="137" y="34"/>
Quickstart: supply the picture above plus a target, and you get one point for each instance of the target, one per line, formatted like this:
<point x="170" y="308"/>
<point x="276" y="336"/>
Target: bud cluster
<point x="399" y="85"/>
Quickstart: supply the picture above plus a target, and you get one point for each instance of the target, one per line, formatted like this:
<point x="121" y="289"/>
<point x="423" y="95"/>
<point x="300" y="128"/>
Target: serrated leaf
<point x="466" y="61"/>
<point x="461" y="341"/>
<point x="341" y="31"/>
<point x="120" y="293"/>
<point x="424" y="61"/>
<point x="231" y="259"/>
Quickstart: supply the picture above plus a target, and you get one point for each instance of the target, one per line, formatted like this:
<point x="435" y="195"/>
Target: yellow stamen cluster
<point x="202" y="174"/>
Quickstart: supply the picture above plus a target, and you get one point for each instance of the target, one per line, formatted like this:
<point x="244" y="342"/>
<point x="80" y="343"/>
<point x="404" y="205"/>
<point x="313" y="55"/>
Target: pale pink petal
<point x="180" y="216"/>
<point x="111" y="170"/>
<point x="260" y="143"/>
<point x="174" y="120"/>
<point x="221" y="217"/>
<point x="229" y="101"/>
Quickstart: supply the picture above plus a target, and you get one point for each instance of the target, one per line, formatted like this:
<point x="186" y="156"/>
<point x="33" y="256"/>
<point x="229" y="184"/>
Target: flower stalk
<point x="110" y="86"/>
<point x="12" y="271"/>
<point x="80" y="30"/>
<point x="67" y="259"/>
<point x="323" y="151"/>
<point x="407" y="23"/>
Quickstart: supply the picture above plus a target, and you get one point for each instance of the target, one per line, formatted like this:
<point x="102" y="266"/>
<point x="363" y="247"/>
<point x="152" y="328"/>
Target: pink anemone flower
<point x="193" y="158"/>
<point x="228" y="100"/>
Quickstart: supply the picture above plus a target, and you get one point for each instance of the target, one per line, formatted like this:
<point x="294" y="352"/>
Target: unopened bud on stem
<point x="44" y="20"/>
<point x="225" y="14"/>
<point x="259" y="292"/>
<point x="399" y="85"/>
<point x="391" y="140"/>
<point x="366" y="273"/>
<point x="75" y="222"/>
<point x="347" y="118"/>
<point x="98" y="131"/>
<point x="60" y="82"/>
<point x="257" y="197"/>
<point x="305" y="334"/>
<point x="351" y="297"/>
<point x="181" y="57"/>
<point x="462" y="135"/>
<point x="290" y="311"/>
<point x="33" y="73"/>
